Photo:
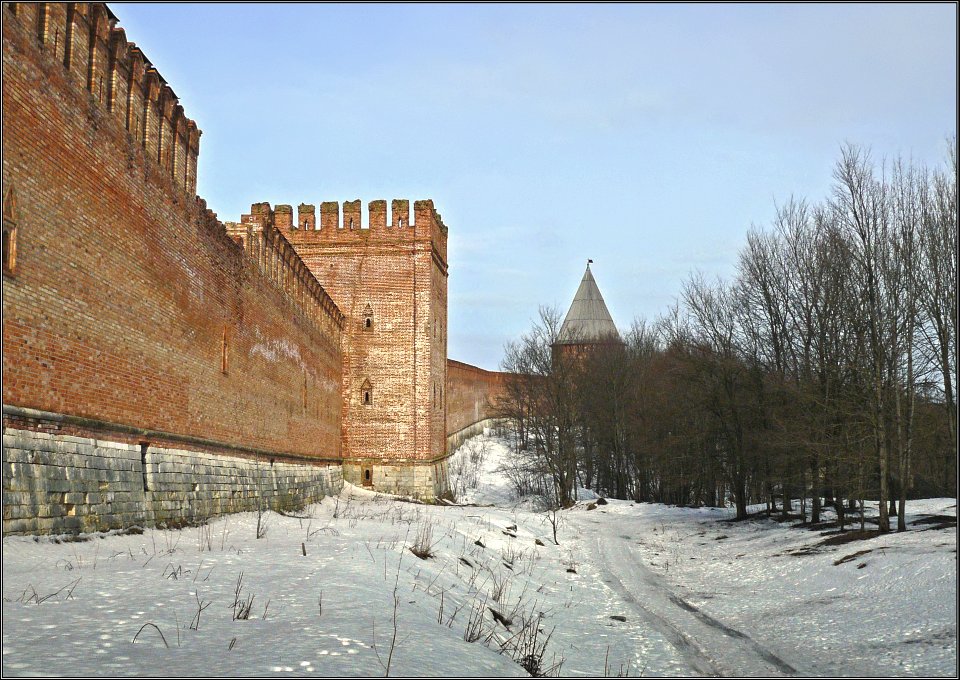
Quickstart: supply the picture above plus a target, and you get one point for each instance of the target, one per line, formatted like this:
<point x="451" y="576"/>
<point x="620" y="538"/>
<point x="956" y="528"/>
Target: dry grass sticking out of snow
<point x="359" y="585"/>
<point x="367" y="585"/>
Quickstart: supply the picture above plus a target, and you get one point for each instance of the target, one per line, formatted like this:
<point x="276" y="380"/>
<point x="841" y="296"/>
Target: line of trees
<point x="825" y="369"/>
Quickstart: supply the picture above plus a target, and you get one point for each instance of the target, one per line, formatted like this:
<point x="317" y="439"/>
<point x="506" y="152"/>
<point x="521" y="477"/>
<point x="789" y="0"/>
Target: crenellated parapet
<point x="264" y="243"/>
<point x="86" y="42"/>
<point x="348" y="224"/>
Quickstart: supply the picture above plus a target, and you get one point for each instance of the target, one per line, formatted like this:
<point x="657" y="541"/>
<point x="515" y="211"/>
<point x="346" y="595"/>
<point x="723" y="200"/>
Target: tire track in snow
<point x="688" y="632"/>
<point x="694" y="655"/>
<point x="765" y="654"/>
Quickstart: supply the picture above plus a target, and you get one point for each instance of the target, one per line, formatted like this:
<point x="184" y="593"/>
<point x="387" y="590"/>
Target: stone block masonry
<point x="55" y="483"/>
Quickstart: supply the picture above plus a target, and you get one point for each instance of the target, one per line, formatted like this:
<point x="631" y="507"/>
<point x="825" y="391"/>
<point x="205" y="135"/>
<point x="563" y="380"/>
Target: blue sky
<point x="647" y="137"/>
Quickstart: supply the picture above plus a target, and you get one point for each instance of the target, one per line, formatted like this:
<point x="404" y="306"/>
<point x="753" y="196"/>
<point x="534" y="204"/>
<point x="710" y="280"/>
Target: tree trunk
<point x="901" y="515"/>
<point x="882" y="454"/>
<point x="814" y="494"/>
<point x="803" y="495"/>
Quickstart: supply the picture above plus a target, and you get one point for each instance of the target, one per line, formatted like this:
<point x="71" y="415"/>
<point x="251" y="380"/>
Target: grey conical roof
<point x="587" y="319"/>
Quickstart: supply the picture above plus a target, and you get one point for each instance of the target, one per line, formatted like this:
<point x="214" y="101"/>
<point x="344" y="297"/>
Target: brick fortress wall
<point x="389" y="277"/>
<point x="134" y="321"/>
<point x="129" y="306"/>
<point x="473" y="394"/>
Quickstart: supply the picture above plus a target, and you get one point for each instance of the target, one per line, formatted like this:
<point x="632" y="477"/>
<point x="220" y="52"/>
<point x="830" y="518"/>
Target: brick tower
<point x="389" y="278"/>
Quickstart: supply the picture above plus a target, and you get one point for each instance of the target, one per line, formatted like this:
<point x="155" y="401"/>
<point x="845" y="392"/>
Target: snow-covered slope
<point x="691" y="592"/>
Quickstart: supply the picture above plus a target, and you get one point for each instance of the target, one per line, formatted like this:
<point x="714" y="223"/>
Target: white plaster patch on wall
<point x="273" y="349"/>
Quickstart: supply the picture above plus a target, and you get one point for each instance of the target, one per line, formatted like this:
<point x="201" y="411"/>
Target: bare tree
<point x="826" y="367"/>
<point x="861" y="205"/>
<point x="937" y="279"/>
<point x="722" y="381"/>
<point x="546" y="398"/>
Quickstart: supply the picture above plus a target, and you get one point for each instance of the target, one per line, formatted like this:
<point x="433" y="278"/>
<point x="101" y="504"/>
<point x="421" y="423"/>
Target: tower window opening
<point x="42" y="21"/>
<point x="10" y="233"/>
<point x="223" y="352"/>
<point x="9" y="248"/>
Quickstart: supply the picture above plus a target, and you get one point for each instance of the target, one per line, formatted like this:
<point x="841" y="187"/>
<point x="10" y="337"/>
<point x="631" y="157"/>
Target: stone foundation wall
<point x="423" y="481"/>
<point x="456" y="439"/>
<point x="58" y="483"/>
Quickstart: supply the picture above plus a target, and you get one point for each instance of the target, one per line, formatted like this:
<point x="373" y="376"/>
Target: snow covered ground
<point x="631" y="590"/>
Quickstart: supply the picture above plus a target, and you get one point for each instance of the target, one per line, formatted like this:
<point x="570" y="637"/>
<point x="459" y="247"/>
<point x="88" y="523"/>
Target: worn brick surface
<point x="126" y="288"/>
<point x="472" y="394"/>
<point x="393" y="274"/>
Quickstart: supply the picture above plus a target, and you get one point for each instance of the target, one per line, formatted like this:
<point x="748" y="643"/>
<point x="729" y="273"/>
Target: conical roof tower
<point x="588" y="321"/>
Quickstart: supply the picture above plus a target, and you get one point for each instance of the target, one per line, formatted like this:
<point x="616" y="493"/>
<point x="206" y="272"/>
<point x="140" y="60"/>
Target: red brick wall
<point x="126" y="287"/>
<point x="397" y="274"/>
<point x="439" y="395"/>
<point x="472" y="394"/>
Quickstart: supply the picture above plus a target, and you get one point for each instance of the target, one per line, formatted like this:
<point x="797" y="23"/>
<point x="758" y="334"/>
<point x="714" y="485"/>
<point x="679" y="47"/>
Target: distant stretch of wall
<point x="472" y="393"/>
<point x="126" y="303"/>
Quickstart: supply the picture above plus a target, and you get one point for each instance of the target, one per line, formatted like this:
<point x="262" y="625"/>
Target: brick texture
<point x="472" y="395"/>
<point x="129" y="302"/>
<point x="390" y="281"/>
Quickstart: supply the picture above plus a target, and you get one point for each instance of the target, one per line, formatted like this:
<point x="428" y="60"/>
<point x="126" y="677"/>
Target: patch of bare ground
<point x="936" y="522"/>
<point x="833" y="538"/>
<point x="851" y="520"/>
<point x="851" y="557"/>
<point x="789" y="517"/>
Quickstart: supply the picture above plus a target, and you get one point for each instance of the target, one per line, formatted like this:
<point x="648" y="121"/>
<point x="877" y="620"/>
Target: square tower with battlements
<point x="388" y="275"/>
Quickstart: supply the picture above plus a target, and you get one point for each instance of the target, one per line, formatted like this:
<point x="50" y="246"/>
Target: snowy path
<point x="709" y="646"/>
